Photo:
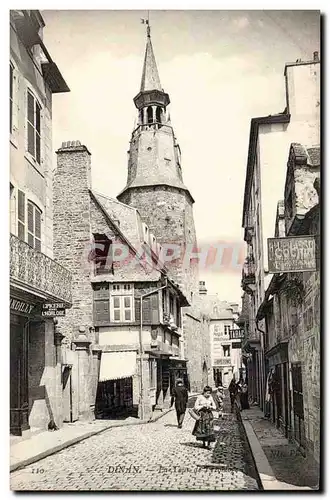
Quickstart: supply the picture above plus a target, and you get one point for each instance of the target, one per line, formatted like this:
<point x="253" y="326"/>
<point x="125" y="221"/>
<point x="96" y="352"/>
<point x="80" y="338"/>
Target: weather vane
<point x="146" y="21"/>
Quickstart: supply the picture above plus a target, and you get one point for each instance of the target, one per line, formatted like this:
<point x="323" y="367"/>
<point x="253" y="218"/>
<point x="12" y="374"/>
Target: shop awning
<point x="116" y="365"/>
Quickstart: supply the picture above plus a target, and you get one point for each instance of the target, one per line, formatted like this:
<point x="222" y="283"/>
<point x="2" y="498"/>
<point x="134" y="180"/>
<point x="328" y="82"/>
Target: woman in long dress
<point x="204" y="429"/>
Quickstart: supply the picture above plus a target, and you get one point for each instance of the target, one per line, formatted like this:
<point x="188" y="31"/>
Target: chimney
<point x="71" y="219"/>
<point x="316" y="56"/>
<point x="202" y="288"/>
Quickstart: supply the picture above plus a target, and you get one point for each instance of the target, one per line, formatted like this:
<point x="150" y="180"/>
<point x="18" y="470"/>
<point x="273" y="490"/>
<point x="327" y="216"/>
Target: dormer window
<point x="102" y="254"/>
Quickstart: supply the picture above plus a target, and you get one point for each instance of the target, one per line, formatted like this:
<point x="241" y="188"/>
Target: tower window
<point x="149" y="114"/>
<point x="158" y="115"/>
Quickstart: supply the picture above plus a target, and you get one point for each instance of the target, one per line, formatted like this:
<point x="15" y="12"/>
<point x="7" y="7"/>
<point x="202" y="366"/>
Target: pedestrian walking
<point x="218" y="399"/>
<point x="232" y="393"/>
<point x="204" y="429"/>
<point x="244" y="397"/>
<point x="180" y="399"/>
<point x="238" y="394"/>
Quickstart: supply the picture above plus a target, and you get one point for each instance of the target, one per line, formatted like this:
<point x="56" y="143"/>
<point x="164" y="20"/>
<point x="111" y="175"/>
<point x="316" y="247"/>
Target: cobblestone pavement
<point x="156" y="456"/>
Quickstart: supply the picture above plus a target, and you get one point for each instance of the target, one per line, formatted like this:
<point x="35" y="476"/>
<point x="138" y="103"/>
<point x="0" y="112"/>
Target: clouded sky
<point x="220" y="69"/>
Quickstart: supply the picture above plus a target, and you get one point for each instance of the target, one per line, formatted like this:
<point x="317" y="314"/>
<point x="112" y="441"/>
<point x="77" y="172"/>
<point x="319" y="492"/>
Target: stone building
<point x="155" y="187"/>
<point x="291" y="309"/>
<point x="269" y="143"/>
<point x="224" y="337"/>
<point x="123" y="335"/>
<point x="36" y="280"/>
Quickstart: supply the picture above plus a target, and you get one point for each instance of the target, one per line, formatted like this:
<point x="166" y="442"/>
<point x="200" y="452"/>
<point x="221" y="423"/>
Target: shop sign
<point x="53" y="309"/>
<point x="19" y="305"/>
<point x="292" y="254"/>
<point x="236" y="345"/>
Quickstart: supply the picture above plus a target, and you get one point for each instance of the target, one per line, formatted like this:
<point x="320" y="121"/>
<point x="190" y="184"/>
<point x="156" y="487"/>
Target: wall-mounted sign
<point x="51" y="310"/>
<point x="222" y="361"/>
<point x="19" y="305"/>
<point x="291" y="255"/>
<point x="236" y="345"/>
<point x="236" y="333"/>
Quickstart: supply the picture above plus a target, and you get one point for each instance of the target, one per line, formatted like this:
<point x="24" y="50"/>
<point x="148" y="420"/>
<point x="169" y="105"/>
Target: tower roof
<point x="150" y="77"/>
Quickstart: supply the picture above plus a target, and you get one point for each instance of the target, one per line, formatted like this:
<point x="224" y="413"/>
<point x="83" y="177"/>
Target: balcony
<point x="249" y="228"/>
<point x="35" y="273"/>
<point x="248" y="275"/>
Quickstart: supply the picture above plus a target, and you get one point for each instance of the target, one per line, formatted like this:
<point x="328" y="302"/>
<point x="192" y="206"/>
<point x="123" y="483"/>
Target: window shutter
<point x="21" y="206"/>
<point x="30" y="218"/>
<point x="137" y="309"/>
<point x="101" y="311"/>
<point x="154" y="309"/>
<point x="101" y="291"/>
<point x="37" y="222"/>
<point x="146" y="310"/>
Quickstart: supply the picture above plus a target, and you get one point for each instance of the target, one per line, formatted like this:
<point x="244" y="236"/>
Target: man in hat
<point x="180" y="398"/>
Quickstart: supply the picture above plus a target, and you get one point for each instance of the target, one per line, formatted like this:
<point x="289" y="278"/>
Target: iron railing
<point x="36" y="272"/>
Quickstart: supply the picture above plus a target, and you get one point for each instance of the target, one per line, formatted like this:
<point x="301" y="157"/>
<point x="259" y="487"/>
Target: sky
<point x="220" y="69"/>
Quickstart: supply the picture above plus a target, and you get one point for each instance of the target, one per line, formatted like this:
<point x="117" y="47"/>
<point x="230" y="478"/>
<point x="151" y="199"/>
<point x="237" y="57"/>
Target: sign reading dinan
<point x="53" y="309"/>
<point x="292" y="254"/>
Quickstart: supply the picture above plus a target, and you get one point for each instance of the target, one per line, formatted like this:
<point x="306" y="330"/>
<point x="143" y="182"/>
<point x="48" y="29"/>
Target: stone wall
<point x="72" y="232"/>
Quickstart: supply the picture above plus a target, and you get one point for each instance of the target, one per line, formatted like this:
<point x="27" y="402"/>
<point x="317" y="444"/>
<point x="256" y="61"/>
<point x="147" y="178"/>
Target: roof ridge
<point x="113" y="199"/>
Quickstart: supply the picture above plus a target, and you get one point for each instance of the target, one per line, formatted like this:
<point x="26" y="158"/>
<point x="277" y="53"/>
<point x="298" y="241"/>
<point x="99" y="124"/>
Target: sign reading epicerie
<point x="292" y="254"/>
<point x="55" y="309"/>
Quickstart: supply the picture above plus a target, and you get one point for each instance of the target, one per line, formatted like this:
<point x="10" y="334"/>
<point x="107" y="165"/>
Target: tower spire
<point x="150" y="78"/>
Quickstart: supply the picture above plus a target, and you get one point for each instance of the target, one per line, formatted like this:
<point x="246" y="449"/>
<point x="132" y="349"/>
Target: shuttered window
<point x="34" y="226"/>
<point x="150" y="309"/>
<point x="21" y="215"/>
<point x="101" y="303"/>
<point x="33" y="127"/>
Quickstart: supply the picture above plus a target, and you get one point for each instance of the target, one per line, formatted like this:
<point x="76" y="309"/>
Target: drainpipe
<point x="141" y="345"/>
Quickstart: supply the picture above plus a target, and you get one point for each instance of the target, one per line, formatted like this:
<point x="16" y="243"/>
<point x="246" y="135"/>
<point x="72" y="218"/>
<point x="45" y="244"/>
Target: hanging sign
<point x="53" y="309"/>
<point x="291" y="255"/>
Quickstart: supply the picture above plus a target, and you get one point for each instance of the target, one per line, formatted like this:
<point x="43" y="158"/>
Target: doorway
<point x="19" y="395"/>
<point x="298" y="405"/>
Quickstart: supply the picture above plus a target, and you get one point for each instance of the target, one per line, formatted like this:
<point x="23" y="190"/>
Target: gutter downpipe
<point x="141" y="353"/>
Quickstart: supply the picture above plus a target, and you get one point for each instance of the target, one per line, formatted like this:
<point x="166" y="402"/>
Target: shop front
<point x="118" y="388"/>
<point x="20" y="317"/>
<point x="35" y="364"/>
<point x="278" y="386"/>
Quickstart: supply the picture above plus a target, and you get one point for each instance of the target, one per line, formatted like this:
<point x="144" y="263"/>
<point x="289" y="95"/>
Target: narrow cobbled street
<point x="156" y="456"/>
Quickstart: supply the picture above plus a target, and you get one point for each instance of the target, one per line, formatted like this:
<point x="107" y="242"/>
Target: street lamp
<point x="141" y="351"/>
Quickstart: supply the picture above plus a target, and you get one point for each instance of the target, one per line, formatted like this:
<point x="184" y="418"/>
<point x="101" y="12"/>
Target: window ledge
<point x="34" y="164"/>
<point x="13" y="138"/>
